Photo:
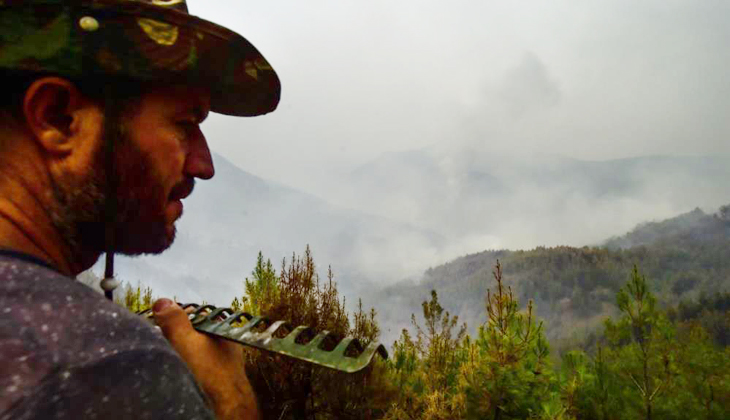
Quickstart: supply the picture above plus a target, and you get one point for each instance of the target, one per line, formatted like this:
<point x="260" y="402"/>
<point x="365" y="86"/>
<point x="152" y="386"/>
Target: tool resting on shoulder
<point x="323" y="349"/>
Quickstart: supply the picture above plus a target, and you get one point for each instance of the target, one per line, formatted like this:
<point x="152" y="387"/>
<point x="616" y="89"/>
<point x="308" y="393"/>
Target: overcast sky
<point x="588" y="79"/>
<point x="465" y="80"/>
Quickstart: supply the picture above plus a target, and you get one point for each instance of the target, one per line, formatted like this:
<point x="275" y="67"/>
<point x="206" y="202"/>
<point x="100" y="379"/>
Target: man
<point x="99" y="144"/>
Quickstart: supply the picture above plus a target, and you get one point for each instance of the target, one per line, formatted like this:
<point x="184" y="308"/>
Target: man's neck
<point x="26" y="226"/>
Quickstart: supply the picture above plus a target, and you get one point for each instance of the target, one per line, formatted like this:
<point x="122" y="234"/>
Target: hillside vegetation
<point x="574" y="289"/>
<point x="655" y="325"/>
<point x="648" y="363"/>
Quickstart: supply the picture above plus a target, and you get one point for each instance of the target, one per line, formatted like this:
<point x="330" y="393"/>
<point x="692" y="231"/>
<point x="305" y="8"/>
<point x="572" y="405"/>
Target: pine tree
<point x="291" y="389"/>
<point x="426" y="369"/>
<point x="642" y="341"/>
<point x="236" y="304"/>
<point x="705" y="377"/>
<point x="262" y="289"/>
<point x="507" y="373"/>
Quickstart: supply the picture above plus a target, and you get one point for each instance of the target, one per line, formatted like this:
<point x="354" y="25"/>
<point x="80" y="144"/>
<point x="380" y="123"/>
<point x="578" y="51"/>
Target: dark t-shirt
<point x="68" y="353"/>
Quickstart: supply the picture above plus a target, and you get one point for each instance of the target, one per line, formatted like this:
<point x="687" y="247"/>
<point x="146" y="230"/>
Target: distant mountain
<point x="228" y="219"/>
<point x="574" y="289"/>
<point x="395" y="216"/>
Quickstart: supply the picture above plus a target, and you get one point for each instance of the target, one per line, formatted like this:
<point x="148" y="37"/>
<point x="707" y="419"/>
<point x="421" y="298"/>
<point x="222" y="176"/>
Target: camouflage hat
<point x="149" y="40"/>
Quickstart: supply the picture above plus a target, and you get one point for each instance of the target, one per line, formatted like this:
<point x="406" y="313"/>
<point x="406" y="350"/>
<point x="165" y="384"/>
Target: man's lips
<point x="182" y="190"/>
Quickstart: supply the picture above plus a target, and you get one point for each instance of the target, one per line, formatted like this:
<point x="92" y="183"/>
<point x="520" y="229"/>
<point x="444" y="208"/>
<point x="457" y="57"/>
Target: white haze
<point x="414" y="131"/>
<point x="396" y="227"/>
<point x="591" y="80"/>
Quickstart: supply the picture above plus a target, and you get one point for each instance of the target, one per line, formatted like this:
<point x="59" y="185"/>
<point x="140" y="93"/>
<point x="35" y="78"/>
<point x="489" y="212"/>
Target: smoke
<point x="416" y="131"/>
<point x="591" y="81"/>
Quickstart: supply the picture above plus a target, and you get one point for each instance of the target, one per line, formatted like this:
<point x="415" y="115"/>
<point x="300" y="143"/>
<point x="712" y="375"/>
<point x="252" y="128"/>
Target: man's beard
<point x="140" y="226"/>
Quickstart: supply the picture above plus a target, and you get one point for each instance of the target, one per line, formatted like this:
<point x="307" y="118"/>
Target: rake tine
<point x="292" y="337"/>
<point x="344" y="344"/>
<point x="275" y="326"/>
<point x="215" y="314"/>
<point x="317" y="340"/>
<point x="237" y="316"/>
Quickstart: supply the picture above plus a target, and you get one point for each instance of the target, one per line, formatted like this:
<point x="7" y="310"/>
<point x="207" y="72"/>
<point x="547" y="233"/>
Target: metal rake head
<point x="279" y="337"/>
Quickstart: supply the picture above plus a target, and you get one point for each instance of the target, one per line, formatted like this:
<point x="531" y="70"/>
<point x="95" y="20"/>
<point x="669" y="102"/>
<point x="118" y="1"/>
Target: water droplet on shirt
<point x="44" y="328"/>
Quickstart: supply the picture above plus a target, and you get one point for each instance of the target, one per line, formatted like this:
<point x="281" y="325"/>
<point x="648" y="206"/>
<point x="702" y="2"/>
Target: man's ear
<point x="50" y="108"/>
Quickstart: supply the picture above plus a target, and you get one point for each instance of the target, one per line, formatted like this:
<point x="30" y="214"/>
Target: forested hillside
<point x="613" y="332"/>
<point x="647" y="362"/>
<point x="574" y="288"/>
<point x="404" y="212"/>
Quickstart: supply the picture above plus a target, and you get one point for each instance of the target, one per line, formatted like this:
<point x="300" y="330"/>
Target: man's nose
<point x="199" y="163"/>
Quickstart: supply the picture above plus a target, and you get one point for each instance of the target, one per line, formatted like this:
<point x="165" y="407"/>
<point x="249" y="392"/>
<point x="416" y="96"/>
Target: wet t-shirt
<point x="68" y="353"/>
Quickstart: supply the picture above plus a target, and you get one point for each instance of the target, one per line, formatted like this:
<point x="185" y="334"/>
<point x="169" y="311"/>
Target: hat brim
<point x="241" y="81"/>
<point x="141" y="41"/>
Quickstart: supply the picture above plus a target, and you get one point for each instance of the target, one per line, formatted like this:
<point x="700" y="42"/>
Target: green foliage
<point x="577" y="287"/>
<point x="135" y="299"/>
<point x="426" y="369"/>
<point x="436" y="343"/>
<point x="648" y="363"/>
<point x="643" y="367"/>
<point x="711" y="312"/>
<point x="236" y="304"/>
<point x="651" y="367"/>
<point x="704" y="383"/>
<point x="263" y="288"/>
<point x="507" y="372"/>
<point x="642" y="341"/>
<point x="290" y="389"/>
<point x="589" y="386"/>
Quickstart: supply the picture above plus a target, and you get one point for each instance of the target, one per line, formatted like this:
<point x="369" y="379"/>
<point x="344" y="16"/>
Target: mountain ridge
<point x="232" y="217"/>
<point x="573" y="285"/>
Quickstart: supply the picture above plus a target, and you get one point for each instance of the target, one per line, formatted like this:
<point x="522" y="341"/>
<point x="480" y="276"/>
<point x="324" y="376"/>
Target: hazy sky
<point x="587" y="79"/>
<point x="466" y="80"/>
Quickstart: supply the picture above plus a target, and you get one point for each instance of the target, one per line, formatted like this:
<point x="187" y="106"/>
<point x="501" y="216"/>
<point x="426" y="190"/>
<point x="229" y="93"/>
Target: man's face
<point x="159" y="151"/>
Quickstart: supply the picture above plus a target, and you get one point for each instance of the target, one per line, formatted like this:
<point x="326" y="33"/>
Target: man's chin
<point x="130" y="238"/>
<point x="151" y="241"/>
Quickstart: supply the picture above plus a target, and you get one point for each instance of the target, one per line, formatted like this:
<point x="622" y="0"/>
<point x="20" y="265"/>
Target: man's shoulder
<point x="59" y="311"/>
<point x="24" y="278"/>
<point x="53" y="325"/>
<point x="52" y="314"/>
<point x="134" y="383"/>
